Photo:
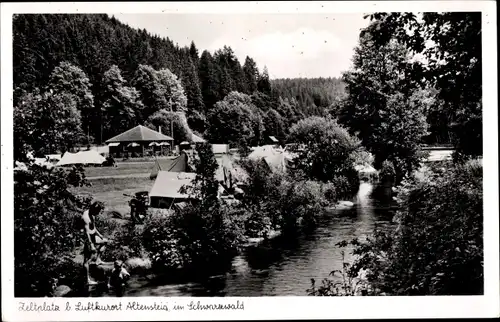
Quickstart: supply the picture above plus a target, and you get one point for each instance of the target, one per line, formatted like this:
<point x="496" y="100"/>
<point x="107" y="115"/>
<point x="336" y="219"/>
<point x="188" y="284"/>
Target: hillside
<point x="313" y="96"/>
<point x="94" y="43"/>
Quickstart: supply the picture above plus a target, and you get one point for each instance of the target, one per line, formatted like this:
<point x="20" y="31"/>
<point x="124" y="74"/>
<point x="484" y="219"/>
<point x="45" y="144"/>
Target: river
<point x="285" y="267"/>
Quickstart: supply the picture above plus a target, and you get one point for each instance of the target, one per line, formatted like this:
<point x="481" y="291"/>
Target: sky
<point x="290" y="45"/>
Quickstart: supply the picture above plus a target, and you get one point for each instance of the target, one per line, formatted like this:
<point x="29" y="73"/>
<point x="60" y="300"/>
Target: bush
<point x="161" y="244"/>
<point x="345" y="285"/>
<point x="387" y="172"/>
<point x="203" y="236"/>
<point x="46" y="228"/>
<point x="298" y="205"/>
<point x="330" y="154"/>
<point x="257" y="224"/>
<point x="437" y="248"/>
<point x="344" y="187"/>
<point x="126" y="242"/>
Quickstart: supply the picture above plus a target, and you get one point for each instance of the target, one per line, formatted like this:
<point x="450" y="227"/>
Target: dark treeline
<point x="314" y="96"/>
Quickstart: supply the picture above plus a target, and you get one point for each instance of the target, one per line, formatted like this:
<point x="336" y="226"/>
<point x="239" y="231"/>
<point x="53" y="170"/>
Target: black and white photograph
<point x="285" y="154"/>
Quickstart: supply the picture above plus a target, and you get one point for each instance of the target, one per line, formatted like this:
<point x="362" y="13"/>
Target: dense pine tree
<point x="209" y="80"/>
<point x="251" y="74"/>
<point x="264" y="84"/>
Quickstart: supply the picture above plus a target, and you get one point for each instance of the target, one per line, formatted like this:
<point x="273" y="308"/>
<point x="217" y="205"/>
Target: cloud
<point x="282" y="52"/>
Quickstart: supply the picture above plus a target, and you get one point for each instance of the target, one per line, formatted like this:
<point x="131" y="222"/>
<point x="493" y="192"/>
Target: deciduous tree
<point x="455" y="72"/>
<point x="46" y="123"/>
<point x="384" y="106"/>
<point x="122" y="103"/>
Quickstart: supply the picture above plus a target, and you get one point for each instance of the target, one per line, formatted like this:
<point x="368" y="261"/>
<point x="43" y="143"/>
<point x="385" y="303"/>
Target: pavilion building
<point x="139" y="141"/>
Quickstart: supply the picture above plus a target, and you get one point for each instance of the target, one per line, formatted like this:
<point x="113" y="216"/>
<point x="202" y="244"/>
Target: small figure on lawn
<point x="118" y="277"/>
<point x="95" y="243"/>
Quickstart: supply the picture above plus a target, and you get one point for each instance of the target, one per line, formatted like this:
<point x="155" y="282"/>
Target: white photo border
<point x="264" y="307"/>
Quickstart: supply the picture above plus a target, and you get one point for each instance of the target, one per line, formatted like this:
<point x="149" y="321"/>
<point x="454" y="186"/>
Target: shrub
<point x="45" y="226"/>
<point x="126" y="243"/>
<point x="340" y="283"/>
<point x="387" y="172"/>
<point x="437" y="247"/>
<point x="299" y="204"/>
<point x="257" y="224"/>
<point x="161" y="244"/>
<point x="201" y="237"/>
<point x="330" y="154"/>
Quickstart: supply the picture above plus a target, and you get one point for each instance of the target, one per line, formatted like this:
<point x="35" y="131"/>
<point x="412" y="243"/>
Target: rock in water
<point x="100" y="272"/>
<point x="62" y="291"/>
<point x="346" y="204"/>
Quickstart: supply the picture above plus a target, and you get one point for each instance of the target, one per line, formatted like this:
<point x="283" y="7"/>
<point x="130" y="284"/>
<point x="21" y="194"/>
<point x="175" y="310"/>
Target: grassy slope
<point x="111" y="190"/>
<point x="121" y="169"/>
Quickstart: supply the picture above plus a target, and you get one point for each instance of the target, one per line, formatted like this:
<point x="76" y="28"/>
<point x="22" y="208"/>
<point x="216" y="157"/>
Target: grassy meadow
<point x="111" y="190"/>
<point x="122" y="169"/>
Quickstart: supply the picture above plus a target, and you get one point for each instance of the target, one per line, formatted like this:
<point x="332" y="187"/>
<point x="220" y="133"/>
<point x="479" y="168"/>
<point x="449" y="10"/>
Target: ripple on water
<point x="285" y="267"/>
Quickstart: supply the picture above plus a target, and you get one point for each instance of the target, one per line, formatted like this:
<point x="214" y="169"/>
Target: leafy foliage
<point x="276" y="201"/>
<point x="163" y="119"/>
<point x="437" y="247"/>
<point x="121" y="103"/>
<point x="349" y="285"/>
<point x="385" y="105"/>
<point x="160" y="89"/>
<point x="46" y="228"/>
<point x="329" y="152"/>
<point x="46" y="123"/>
<point x="68" y="79"/>
<point x="440" y="38"/>
<point x="233" y="120"/>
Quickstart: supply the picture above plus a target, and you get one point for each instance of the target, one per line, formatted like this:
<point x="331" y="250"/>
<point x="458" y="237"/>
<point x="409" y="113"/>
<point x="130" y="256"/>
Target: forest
<point x="126" y="76"/>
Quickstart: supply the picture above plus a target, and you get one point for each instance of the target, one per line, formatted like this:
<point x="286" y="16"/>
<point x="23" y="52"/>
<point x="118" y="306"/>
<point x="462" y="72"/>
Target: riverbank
<point x="255" y="255"/>
<point x="279" y="266"/>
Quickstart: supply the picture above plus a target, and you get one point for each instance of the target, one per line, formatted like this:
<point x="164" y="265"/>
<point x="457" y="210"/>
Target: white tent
<point x="43" y="163"/>
<point x="168" y="184"/>
<point x="166" y="190"/>
<point x="82" y="157"/>
<point x="220" y="148"/>
<point x="274" y="157"/>
<point x="53" y="157"/>
<point x="365" y="168"/>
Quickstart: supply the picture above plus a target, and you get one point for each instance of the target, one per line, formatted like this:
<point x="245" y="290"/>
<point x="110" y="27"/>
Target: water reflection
<point x="284" y="266"/>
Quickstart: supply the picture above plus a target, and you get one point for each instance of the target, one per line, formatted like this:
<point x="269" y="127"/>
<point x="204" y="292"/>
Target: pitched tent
<point x="273" y="139"/>
<point x="140" y="134"/>
<point x="176" y="164"/>
<point x="220" y="148"/>
<point x="82" y="157"/>
<point x="440" y="155"/>
<point x="197" y="139"/>
<point x="273" y="157"/>
<point x="166" y="189"/>
<point x="43" y="162"/>
<point x="228" y="171"/>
